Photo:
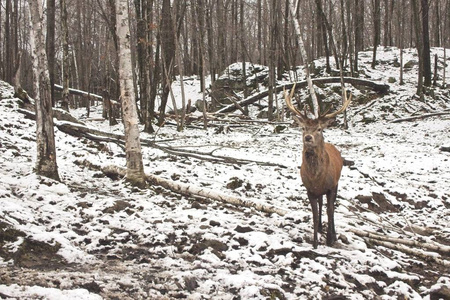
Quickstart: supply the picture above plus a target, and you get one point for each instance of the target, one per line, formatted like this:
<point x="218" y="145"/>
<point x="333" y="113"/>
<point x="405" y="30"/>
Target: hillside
<point x="95" y="237"/>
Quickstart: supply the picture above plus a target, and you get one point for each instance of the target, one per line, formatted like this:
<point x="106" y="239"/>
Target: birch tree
<point x="135" y="168"/>
<point x="45" y="137"/>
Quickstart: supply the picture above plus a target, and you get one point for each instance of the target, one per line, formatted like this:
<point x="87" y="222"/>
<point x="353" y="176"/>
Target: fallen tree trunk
<point x="429" y="246"/>
<point x="80" y="93"/>
<point x="412" y="251"/>
<point x="94" y="134"/>
<point x="378" y="87"/>
<point x="190" y="190"/>
<point x="103" y="136"/>
<point x="413" y="118"/>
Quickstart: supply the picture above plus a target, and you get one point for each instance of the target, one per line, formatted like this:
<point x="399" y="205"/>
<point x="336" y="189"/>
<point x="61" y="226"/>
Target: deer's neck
<point x="315" y="160"/>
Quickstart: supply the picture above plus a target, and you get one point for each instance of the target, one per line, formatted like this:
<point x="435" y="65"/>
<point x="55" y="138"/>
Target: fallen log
<point x="378" y="87"/>
<point x="412" y="243"/>
<point x="80" y="130"/>
<point x="80" y="93"/>
<point x="412" y="251"/>
<point x="420" y="117"/>
<point x="190" y="190"/>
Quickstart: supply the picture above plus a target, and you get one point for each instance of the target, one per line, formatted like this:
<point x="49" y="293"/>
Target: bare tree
<point x="8" y="42"/>
<point x="168" y="55"/>
<point x="66" y="58"/>
<point x="359" y="30"/>
<point x="272" y="57"/>
<point x="426" y="43"/>
<point x="230" y="31"/>
<point x="376" y="29"/>
<point x="419" y="44"/>
<point x="50" y="44"/>
<point x="142" y="49"/>
<point x="45" y="137"/>
<point x="135" y="167"/>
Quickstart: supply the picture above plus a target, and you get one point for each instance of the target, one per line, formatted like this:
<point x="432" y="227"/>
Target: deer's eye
<point x="319" y="129"/>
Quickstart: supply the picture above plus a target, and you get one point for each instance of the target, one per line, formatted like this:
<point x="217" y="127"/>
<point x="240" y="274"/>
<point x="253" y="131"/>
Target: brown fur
<point x="320" y="173"/>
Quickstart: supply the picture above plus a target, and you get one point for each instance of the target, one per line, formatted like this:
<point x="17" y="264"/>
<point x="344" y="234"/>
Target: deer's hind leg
<point x="331" y="232"/>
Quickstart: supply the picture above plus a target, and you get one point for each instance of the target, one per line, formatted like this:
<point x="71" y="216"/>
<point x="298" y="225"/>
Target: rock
<point x="92" y="287"/>
<point x="232" y="81"/>
<point x="214" y="244"/>
<point x="368" y="118"/>
<point x="119" y="205"/>
<point x="197" y="205"/>
<point x="441" y="293"/>
<point x="392" y="80"/>
<point x="410" y="64"/>
<point x="214" y="223"/>
<point x="445" y="148"/>
<point x="190" y="283"/>
<point x="235" y="183"/>
<point x="243" y="229"/>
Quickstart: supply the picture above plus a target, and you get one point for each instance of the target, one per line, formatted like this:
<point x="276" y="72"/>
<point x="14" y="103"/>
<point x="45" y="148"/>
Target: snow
<point x="37" y="292"/>
<point x="121" y="242"/>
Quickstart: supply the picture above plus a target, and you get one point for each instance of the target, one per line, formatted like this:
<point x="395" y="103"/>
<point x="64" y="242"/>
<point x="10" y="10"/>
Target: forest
<point x="205" y="36"/>
<point x="152" y="149"/>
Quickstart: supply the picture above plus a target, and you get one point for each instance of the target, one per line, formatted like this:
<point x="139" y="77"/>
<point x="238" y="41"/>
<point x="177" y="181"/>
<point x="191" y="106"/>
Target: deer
<point x="321" y="165"/>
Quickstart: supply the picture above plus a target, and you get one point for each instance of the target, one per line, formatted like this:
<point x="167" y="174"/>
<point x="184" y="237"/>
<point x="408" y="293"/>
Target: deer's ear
<point x="326" y="122"/>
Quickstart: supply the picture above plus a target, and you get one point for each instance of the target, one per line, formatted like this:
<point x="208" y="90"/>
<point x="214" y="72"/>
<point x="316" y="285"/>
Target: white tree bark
<point x="194" y="191"/>
<point x="298" y="33"/>
<point x="135" y="167"/>
<point x="45" y="136"/>
<point x="410" y="243"/>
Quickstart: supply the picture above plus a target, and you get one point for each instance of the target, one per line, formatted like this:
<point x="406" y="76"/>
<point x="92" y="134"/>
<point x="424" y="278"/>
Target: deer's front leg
<point x="320" y="199"/>
<point x="315" y="212"/>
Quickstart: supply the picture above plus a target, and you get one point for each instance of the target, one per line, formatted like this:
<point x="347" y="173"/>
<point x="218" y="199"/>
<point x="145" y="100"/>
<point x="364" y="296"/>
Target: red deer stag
<point x="321" y="165"/>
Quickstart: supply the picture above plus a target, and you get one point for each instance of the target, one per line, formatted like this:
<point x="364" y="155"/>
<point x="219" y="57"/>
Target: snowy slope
<point x="92" y="237"/>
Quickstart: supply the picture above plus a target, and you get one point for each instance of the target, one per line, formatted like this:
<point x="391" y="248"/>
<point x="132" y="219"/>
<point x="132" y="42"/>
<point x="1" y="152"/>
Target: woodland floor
<point x="93" y="237"/>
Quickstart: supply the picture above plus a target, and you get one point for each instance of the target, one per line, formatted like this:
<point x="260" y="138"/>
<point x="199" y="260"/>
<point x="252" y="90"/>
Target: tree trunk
<point x="329" y="29"/>
<point x="426" y="43"/>
<point x="152" y="54"/>
<point x="259" y="32"/>
<point x="419" y="45"/>
<point x="168" y="57"/>
<point x="272" y="57"/>
<point x="8" y="44"/>
<point x="359" y="30"/>
<point x="66" y="58"/>
<point x="135" y="168"/>
<point x="210" y="39"/>
<point x="142" y="63"/>
<point x="437" y="24"/>
<point x="45" y="137"/>
<point x="221" y="36"/>
<point x="50" y="44"/>
<point x="193" y="191"/>
<point x="305" y="58"/>
<point x="376" y="30"/>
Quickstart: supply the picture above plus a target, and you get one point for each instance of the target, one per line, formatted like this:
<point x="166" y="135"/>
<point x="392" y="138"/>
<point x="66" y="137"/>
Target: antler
<point x="288" y="98"/>
<point x="342" y="109"/>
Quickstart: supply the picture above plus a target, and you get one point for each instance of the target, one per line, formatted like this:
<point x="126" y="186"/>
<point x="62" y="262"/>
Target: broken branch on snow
<point x="103" y="136"/>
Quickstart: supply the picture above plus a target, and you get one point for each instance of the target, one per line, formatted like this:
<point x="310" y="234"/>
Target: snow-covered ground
<point x="92" y="237"/>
